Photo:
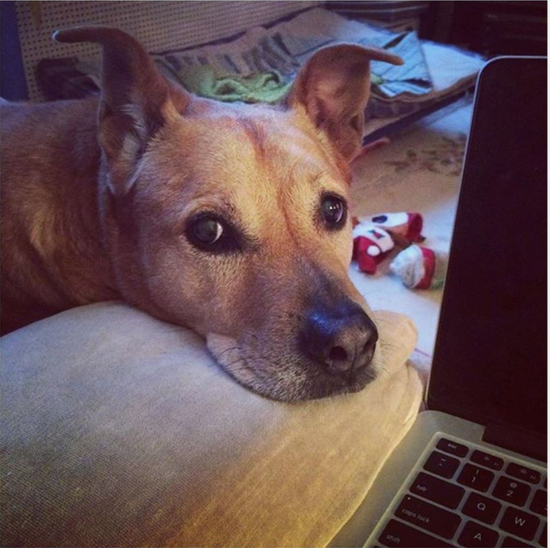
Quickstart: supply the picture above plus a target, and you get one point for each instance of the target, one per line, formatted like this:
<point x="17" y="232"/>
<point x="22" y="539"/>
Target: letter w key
<point x="520" y="523"/>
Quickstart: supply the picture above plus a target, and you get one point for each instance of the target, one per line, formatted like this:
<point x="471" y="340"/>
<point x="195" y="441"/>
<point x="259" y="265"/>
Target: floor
<point x="418" y="171"/>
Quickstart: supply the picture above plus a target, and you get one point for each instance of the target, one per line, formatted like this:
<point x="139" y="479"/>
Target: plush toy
<point x="373" y="240"/>
<point x="405" y="228"/>
<point x="420" y="267"/>
<point x="371" y="246"/>
<point x="417" y="267"/>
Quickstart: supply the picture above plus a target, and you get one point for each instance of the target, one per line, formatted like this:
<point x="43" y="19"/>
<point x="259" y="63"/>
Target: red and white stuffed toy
<point x="417" y="267"/>
<point x="405" y="228"/>
<point x="420" y="267"/>
<point x="371" y="246"/>
<point x="375" y="238"/>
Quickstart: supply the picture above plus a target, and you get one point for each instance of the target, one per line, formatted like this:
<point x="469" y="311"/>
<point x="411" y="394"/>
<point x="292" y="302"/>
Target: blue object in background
<point x="13" y="84"/>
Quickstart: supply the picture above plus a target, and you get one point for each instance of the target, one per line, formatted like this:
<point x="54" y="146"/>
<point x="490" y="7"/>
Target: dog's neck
<point x="65" y="242"/>
<point x="83" y="244"/>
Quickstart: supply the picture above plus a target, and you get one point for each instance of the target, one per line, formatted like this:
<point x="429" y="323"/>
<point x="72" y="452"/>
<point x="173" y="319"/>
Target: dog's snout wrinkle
<point x="342" y="340"/>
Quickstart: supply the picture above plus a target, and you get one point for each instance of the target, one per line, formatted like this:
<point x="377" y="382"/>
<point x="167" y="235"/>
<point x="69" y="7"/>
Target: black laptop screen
<point x="490" y="361"/>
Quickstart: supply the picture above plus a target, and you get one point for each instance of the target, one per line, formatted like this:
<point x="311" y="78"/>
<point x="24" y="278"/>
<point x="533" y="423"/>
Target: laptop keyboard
<point x="461" y="494"/>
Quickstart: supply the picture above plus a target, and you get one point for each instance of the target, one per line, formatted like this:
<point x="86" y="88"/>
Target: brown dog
<point x="230" y="220"/>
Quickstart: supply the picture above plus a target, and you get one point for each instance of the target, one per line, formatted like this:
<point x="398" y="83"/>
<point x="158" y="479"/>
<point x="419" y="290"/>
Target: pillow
<point x="121" y="430"/>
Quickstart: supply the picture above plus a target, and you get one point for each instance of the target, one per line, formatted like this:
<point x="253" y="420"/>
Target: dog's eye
<point x="214" y="234"/>
<point x="208" y="230"/>
<point x="333" y="210"/>
<point x="205" y="231"/>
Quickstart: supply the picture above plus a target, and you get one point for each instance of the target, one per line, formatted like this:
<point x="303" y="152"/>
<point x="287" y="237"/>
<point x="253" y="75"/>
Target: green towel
<point x="263" y="87"/>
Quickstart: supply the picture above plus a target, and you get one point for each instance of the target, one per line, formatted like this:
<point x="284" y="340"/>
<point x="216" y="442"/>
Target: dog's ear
<point x="136" y="100"/>
<point x="333" y="87"/>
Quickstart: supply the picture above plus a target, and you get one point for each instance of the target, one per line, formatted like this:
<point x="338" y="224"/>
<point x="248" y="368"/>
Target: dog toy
<point x="405" y="228"/>
<point x="371" y="246"/>
<point x="373" y="241"/>
<point x="420" y="267"/>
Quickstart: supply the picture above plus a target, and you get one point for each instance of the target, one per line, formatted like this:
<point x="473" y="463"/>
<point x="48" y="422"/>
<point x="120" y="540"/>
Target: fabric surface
<point x="264" y="87"/>
<point x="285" y="47"/>
<point x="120" y="430"/>
<point x="412" y="78"/>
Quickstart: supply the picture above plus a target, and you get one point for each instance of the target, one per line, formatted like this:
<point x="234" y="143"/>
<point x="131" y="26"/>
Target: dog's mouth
<point x="285" y="376"/>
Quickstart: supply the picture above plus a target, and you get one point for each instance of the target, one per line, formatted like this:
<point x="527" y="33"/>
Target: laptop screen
<point x="490" y="361"/>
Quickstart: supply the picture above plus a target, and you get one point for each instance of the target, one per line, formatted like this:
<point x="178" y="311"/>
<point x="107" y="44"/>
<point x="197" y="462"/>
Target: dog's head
<point x="234" y="220"/>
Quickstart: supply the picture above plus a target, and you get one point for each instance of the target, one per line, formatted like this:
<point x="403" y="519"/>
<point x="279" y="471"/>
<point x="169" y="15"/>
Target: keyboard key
<point x="510" y="542"/>
<point x="441" y="464"/>
<point x="453" y="448"/>
<point x="399" y="535"/>
<point x="474" y="535"/>
<point x="489" y="461"/>
<point x="543" y="540"/>
<point x="437" y="490"/>
<point x="427" y="516"/>
<point x="482" y="508"/>
<point x="523" y="473"/>
<point x="475" y="477"/>
<point x="511" y="491"/>
<point x="519" y="523"/>
<point x="539" y="503"/>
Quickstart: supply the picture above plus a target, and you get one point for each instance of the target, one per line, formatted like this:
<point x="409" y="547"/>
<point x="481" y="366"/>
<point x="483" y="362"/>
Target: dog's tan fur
<point x="95" y="207"/>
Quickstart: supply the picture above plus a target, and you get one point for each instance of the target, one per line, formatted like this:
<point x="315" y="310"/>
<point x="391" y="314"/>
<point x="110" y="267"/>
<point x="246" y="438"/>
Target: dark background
<point x="492" y="28"/>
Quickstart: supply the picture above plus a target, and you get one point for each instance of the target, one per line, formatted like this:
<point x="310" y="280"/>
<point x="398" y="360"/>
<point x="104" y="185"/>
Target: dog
<point x="232" y="220"/>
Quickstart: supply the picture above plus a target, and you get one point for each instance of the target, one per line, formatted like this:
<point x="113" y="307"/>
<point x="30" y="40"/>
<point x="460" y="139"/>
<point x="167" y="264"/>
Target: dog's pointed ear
<point x="136" y="100"/>
<point x="333" y="87"/>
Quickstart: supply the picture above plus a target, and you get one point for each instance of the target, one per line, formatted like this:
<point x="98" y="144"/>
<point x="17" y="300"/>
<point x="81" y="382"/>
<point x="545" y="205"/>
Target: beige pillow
<point x="120" y="430"/>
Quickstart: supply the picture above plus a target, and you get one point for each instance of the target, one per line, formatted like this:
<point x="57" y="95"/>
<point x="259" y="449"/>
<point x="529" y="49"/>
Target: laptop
<point x="472" y="470"/>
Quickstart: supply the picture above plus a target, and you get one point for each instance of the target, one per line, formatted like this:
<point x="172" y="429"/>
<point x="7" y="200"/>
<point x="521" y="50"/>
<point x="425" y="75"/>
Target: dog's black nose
<point x="342" y="339"/>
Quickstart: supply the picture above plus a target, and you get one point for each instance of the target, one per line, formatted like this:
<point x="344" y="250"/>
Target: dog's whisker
<point x="231" y="364"/>
<point x="228" y="350"/>
<point x="242" y="361"/>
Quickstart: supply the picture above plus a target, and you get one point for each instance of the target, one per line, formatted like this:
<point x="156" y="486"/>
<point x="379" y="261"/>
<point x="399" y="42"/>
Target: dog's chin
<point x="284" y="382"/>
